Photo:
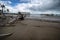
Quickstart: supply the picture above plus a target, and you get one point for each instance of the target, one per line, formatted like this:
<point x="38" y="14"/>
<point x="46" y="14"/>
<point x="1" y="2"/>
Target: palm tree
<point x="7" y="10"/>
<point x="3" y="6"/>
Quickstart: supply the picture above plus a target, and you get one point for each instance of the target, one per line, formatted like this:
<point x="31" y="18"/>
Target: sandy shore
<point x="35" y="30"/>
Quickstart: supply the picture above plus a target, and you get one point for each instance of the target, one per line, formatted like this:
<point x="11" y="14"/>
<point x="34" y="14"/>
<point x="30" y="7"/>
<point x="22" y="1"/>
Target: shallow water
<point x="51" y="18"/>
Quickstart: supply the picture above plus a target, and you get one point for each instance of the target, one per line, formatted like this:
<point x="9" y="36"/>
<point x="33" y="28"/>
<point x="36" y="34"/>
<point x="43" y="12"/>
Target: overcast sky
<point x="33" y="6"/>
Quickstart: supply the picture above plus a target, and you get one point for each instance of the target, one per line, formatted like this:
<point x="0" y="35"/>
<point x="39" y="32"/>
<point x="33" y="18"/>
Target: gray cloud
<point x="36" y="6"/>
<point x="47" y="5"/>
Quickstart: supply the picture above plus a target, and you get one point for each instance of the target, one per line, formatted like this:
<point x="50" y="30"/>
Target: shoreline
<point x="43" y="20"/>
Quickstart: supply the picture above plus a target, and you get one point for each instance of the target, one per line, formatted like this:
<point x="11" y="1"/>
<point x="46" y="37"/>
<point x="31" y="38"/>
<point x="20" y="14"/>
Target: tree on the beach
<point x="21" y="16"/>
<point x="19" y="13"/>
<point x="2" y="6"/>
<point x="7" y="10"/>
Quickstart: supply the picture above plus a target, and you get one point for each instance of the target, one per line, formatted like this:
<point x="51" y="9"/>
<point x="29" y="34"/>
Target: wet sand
<point x="35" y="30"/>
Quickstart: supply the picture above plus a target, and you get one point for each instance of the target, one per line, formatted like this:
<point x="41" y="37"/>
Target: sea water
<point x="43" y="17"/>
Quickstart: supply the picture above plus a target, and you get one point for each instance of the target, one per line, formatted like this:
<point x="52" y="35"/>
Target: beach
<point x="35" y="30"/>
<point x="29" y="20"/>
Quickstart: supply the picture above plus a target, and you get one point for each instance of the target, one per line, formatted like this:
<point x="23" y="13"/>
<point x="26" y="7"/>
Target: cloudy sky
<point x="33" y="6"/>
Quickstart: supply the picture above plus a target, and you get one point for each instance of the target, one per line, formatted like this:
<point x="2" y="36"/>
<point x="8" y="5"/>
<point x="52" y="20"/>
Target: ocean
<point x="43" y="17"/>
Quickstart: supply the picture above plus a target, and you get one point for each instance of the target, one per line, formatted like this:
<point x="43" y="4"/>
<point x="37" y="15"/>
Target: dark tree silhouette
<point x="7" y="10"/>
<point x="3" y="6"/>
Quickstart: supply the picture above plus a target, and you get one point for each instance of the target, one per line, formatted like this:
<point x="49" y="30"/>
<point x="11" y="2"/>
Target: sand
<point x="35" y="30"/>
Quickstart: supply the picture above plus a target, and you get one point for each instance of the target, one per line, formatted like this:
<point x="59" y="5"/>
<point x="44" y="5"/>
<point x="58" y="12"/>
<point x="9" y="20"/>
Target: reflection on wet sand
<point x="29" y="30"/>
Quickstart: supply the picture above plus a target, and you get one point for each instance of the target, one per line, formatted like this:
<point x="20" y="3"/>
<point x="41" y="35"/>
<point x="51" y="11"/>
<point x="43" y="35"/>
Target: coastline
<point x="45" y="18"/>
